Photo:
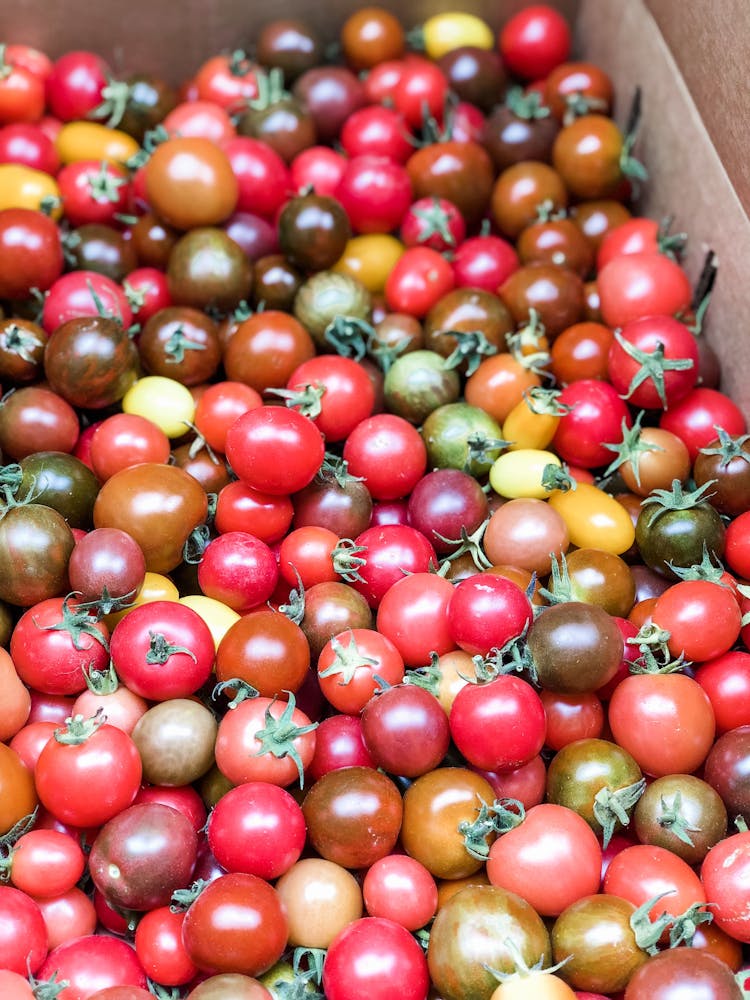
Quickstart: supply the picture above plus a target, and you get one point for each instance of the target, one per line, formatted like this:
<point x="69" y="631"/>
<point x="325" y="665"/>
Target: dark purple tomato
<point x="91" y="362"/>
<point x="142" y="855"/>
<point x="106" y="562"/>
<point x="406" y="730"/>
<point x="727" y="769"/>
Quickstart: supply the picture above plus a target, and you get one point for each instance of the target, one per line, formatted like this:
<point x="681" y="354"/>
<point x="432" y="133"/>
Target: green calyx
<point x="434" y="221"/>
<point x="500" y="817"/>
<point x="183" y="898"/>
<point x="271" y="89"/>
<point x="468" y="544"/>
<point x="653" y="366"/>
<point x="177" y="344"/>
<point x="630" y="448"/>
<point x="294" y="609"/>
<point x="556" y="477"/>
<point x="671" y="245"/>
<point x="513" y="658"/>
<point x="347" y="560"/>
<point x="677" y="498"/>
<point x="241" y="691"/>
<point x="79" y="729"/>
<point x="427" y="677"/>
<point x="335" y="469"/>
<point x="522" y="970"/>
<point x="728" y="447"/>
<point x="77" y="621"/>
<point x="105" y="186"/>
<point x="654" y="653"/>
<point x="613" y="806"/>
<point x="545" y="402"/>
<point x="559" y="589"/>
<point x="306" y="400"/>
<point x="115" y="96"/>
<point x="102" y="682"/>
<point x="278" y="735"/>
<point x="21" y="342"/>
<point x="527" y="106"/>
<point x="349" y="336"/>
<point x="153" y="138"/>
<point x="160" y="649"/>
<point x="347" y="660"/>
<point x="471" y="347"/>
<point x="706" y="569"/>
<point x="672" y="818"/>
<point x="48" y="989"/>
<point x="481" y="450"/>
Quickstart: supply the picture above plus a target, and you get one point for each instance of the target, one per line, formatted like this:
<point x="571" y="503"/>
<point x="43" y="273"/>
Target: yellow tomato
<point x="519" y="473"/>
<point x="155" y="587"/>
<point x="444" y="32"/>
<point x="92" y="141"/>
<point x="594" y="519"/>
<point x="164" y="401"/>
<point x="370" y="259"/>
<point x="24" y="187"/>
<point x="216" y="615"/>
<point x="533" y="420"/>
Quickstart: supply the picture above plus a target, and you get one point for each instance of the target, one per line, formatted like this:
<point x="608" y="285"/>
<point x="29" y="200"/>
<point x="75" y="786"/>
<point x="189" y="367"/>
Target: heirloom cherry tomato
<point x="534" y="41"/>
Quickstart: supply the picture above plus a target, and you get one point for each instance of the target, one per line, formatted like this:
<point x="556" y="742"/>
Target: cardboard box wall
<point x="689" y="56"/>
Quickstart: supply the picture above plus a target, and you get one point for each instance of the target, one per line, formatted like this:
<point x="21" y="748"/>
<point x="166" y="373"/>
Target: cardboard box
<point x="688" y="57"/>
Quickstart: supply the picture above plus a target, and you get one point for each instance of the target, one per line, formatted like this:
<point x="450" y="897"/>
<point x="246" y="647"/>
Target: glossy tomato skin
<point x="215" y="930"/>
<point x="389" y="551"/>
<point x="254" y="441"/>
<point x="485" y="612"/>
<point x="94" y="962"/>
<point x="406" y="730"/>
<point x="499" y="725"/>
<point x="726" y="681"/>
<point x="472" y="931"/>
<point x="89" y="783"/>
<point x="535" y="860"/>
<point x="668" y="973"/>
<point x="162" y="650"/>
<point x="389" y="453"/>
<point x="650" y="335"/>
<point x="353" y="816"/>
<point x="23" y="934"/>
<point x="642" y="284"/>
<point x="725" y="873"/>
<point x="239" y="570"/>
<point x="158" y="944"/>
<point x="595" y="419"/>
<point x="142" y="855"/>
<point x="535" y="41"/>
<point x="30" y="252"/>
<point x="258" y="829"/>
<point x="375" y="956"/>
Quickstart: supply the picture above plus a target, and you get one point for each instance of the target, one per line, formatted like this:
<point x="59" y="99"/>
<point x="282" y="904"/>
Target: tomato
<point x="22" y="932"/>
<point x="507" y="707"/>
<point x="406" y="730"/>
<point x="349" y="664"/>
<point x="258" y="829"/>
<point x="725" y="874"/>
<point x="695" y="417"/>
<point x="88" y="772"/>
<point x="190" y="182"/>
<point x="526" y="533"/>
<point x="375" y="192"/>
<point x="642" y="284"/>
<point x="413" y="614"/>
<point x="653" y="362"/>
<point x="263" y="739"/>
<point x="92" y="963"/>
<point x="485" y="612"/>
<point x="596" y="418"/>
<point x="643" y="871"/>
<point x="30" y="252"/>
<point x="159" y="947"/>
<point x="15" y="697"/>
<point x="388" y="453"/>
<point x="83" y="140"/>
<point x="321" y="898"/>
<point x="726" y="681"/>
<point x="389" y="551"/>
<point x="664" y="720"/>
<point x="253" y="444"/>
<point x="594" y="519"/>
<point x="28" y="188"/>
<point x="418" y="281"/>
<point x="534" y="41"/>
<point x="124" y="440"/>
<point x="84" y="293"/>
<point x="353" y="816"/>
<point x="336" y="393"/>
<point x="680" y="969"/>
<point x="484" y="262"/>
<point x="239" y="570"/>
<point x="530" y="858"/>
<point x="142" y="855"/>
<point x="375" y="956"/>
<point x="703" y="619"/>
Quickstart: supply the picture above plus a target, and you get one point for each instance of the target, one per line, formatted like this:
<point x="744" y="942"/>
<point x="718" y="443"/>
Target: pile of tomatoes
<point x="372" y="537"/>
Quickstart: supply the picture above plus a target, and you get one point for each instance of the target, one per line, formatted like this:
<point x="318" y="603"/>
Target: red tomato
<point x="702" y="618"/>
<point x="389" y="551"/>
<point x="318" y="167"/>
<point x="725" y="874"/>
<point x="258" y="829"/>
<point x="534" y="41"/>
<point x="413" y="614"/>
<point x="664" y="720"/>
<point x="388" y="453"/>
<point x="238" y="570"/>
<point x="75" y="84"/>
<point x="400" y="888"/>
<point x="218" y="408"/>
<point x="92" y="777"/>
<point x="242" y="508"/>
<point x="200" y="120"/>
<point x="433" y="222"/>
<point x="46" y="863"/>
<point x="30" y="146"/>
<point x="376" y="958"/>
<point x="336" y="393"/>
<point x="23" y="935"/>
<point x="228" y="80"/>
<point x="642" y="284"/>
<point x="308" y="551"/>
<point x="76" y="294"/>
<point x="595" y="419"/>
<point x="263" y="178"/>
<point x="640" y="872"/>
<point x="375" y="192"/>
<point x="487" y="611"/>
<point x="93" y="191"/>
<point x="162" y="650"/>
<point x="695" y="417"/>
<point x="419" y="280"/>
<point x="159" y="947"/>
<point x="552" y="859"/>
<point x="499" y="725"/>
<point x="255" y="440"/>
<point x="31" y="253"/>
<point x="653" y="362"/>
<point x="339" y="743"/>
<point x="349" y="665"/>
<point x="92" y="963"/>
<point x="484" y="262"/>
<point x="377" y="131"/>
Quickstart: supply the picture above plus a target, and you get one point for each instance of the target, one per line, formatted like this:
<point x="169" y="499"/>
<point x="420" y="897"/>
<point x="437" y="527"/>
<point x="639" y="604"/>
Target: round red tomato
<point x="725" y="874"/>
<point x="162" y="650"/>
<point x="642" y="284"/>
<point x="258" y="829"/>
<point x="487" y="611"/>
<point x="92" y="963"/>
<point x="376" y="958"/>
<point x="534" y="41"/>
<point x="349" y="665"/>
<point x="726" y="681"/>
<point x="702" y="618"/>
<point x="388" y="453"/>
<point x="419" y="280"/>
<point x="413" y="613"/>
<point x="237" y="924"/>
<point x="239" y="570"/>
<point x="23" y="934"/>
<point x="336" y="393"/>
<point x="595" y="419"/>
<point x="389" y="551"/>
<point x="375" y="192"/>
<point x="30" y="252"/>
<point x="500" y="725"/>
<point x="257" y="439"/>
